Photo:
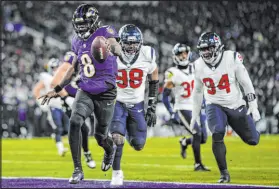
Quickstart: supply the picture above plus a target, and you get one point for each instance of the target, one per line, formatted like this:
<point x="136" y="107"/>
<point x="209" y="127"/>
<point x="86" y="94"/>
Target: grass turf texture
<point x="159" y="161"/>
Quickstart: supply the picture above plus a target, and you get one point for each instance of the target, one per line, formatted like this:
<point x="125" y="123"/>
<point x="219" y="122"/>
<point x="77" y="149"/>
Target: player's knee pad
<point x="218" y="137"/>
<point x="118" y="139"/>
<point x="103" y="140"/>
<point x="137" y="143"/>
<point x="76" y="120"/>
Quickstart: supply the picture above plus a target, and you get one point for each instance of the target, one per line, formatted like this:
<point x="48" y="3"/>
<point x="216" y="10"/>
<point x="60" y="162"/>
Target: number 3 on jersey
<point x="223" y="84"/>
<point x="187" y="88"/>
<point x="134" y="80"/>
<point x="88" y="68"/>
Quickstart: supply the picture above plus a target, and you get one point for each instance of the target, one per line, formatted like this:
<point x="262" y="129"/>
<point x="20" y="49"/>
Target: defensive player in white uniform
<point x="129" y="119"/>
<point x="218" y="74"/>
<point x="56" y="117"/>
<point x="180" y="80"/>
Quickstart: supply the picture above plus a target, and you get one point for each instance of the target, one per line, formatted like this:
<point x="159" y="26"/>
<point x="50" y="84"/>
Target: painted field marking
<point x="139" y="165"/>
<point x="178" y="183"/>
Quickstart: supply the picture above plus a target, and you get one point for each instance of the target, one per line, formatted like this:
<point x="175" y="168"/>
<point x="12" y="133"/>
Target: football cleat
<point x="108" y="159"/>
<point x="183" y="147"/>
<point x="62" y="152"/>
<point x="200" y="167"/>
<point x="117" y="178"/>
<point x="225" y="177"/>
<point x="89" y="160"/>
<point x="77" y="176"/>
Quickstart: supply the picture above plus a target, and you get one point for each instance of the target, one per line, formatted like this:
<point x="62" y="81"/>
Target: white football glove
<point x="193" y="121"/>
<point x="253" y="109"/>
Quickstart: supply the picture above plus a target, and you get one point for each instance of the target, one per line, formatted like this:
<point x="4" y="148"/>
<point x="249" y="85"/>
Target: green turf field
<point x="159" y="161"/>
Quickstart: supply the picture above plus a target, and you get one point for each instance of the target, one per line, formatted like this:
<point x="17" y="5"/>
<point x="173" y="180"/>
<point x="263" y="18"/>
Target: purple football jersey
<point x="94" y="76"/>
<point x="72" y="91"/>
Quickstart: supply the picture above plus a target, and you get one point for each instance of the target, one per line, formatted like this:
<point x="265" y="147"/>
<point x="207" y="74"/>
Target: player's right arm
<point x="65" y="81"/>
<point x="59" y="76"/>
<point x="168" y="85"/>
<point x="37" y="88"/>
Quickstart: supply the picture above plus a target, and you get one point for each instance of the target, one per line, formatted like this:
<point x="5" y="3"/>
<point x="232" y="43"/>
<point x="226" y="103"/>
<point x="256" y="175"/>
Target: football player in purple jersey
<point x="97" y="85"/>
<point x="69" y="93"/>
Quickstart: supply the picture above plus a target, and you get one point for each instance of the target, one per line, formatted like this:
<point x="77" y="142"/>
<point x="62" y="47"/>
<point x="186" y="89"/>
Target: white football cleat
<point x="62" y="152"/>
<point x="117" y="178"/>
<point x="89" y="160"/>
<point x="61" y="149"/>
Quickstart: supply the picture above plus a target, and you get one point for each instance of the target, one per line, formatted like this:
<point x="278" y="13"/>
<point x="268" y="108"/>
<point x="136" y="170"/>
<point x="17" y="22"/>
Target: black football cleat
<point x="225" y="177"/>
<point x="183" y="148"/>
<point x="77" y="176"/>
<point x="200" y="167"/>
<point x="108" y="159"/>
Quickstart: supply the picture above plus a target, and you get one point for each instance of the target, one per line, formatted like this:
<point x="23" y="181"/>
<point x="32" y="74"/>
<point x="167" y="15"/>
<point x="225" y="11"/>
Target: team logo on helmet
<point x="110" y="30"/>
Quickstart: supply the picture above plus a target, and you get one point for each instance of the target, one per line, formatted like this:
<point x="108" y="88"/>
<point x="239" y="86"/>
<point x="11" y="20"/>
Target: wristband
<point x="250" y="97"/>
<point x="58" y="88"/>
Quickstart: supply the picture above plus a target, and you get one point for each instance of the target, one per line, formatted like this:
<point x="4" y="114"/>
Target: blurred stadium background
<point x="33" y="32"/>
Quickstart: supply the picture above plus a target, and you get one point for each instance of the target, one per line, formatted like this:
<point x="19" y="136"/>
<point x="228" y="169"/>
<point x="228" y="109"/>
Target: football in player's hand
<point x="99" y="49"/>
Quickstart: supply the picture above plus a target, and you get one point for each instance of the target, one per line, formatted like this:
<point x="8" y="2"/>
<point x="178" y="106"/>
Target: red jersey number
<point x="223" y="84"/>
<point x="187" y="88"/>
<point x="135" y="80"/>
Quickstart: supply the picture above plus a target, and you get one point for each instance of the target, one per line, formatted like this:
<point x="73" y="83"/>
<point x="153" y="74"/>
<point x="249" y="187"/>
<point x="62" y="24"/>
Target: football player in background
<point x="134" y="66"/>
<point x="180" y="80"/>
<point x="67" y="101"/>
<point x="97" y="85"/>
<point x="218" y="74"/>
<point x="56" y="117"/>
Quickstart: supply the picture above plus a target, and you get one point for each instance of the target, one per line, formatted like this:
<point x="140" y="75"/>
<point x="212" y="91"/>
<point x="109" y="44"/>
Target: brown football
<point x="99" y="49"/>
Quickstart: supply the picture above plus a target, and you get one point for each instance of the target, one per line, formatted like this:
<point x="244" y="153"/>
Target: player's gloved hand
<point x="47" y="97"/>
<point x="253" y="109"/>
<point x="174" y="118"/>
<point x="192" y="124"/>
<point x="150" y="116"/>
<point x="44" y="108"/>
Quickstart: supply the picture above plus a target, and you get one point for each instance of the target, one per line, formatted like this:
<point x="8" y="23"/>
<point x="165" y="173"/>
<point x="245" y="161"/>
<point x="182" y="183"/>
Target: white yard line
<point x="178" y="183"/>
<point x="138" y="164"/>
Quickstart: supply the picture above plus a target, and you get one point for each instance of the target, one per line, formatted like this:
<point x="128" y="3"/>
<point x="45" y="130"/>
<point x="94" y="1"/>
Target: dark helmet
<point x="209" y="46"/>
<point x="85" y="20"/>
<point x="131" y="39"/>
<point x="179" y="49"/>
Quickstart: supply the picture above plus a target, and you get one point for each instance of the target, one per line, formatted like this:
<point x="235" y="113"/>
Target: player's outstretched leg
<point x="117" y="173"/>
<point x="104" y="111"/>
<point x="56" y="122"/>
<point x="198" y="138"/>
<point x="87" y="154"/>
<point x="118" y="131"/>
<point x="184" y="142"/>
<point x="82" y="108"/>
<point x="217" y="120"/>
<point x="185" y="117"/>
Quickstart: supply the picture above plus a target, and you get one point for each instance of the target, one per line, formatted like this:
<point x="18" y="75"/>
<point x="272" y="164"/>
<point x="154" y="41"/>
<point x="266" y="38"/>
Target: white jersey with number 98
<point x="131" y="77"/>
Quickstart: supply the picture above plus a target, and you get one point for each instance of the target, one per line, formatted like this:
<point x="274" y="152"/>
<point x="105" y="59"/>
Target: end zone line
<point x="178" y="183"/>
